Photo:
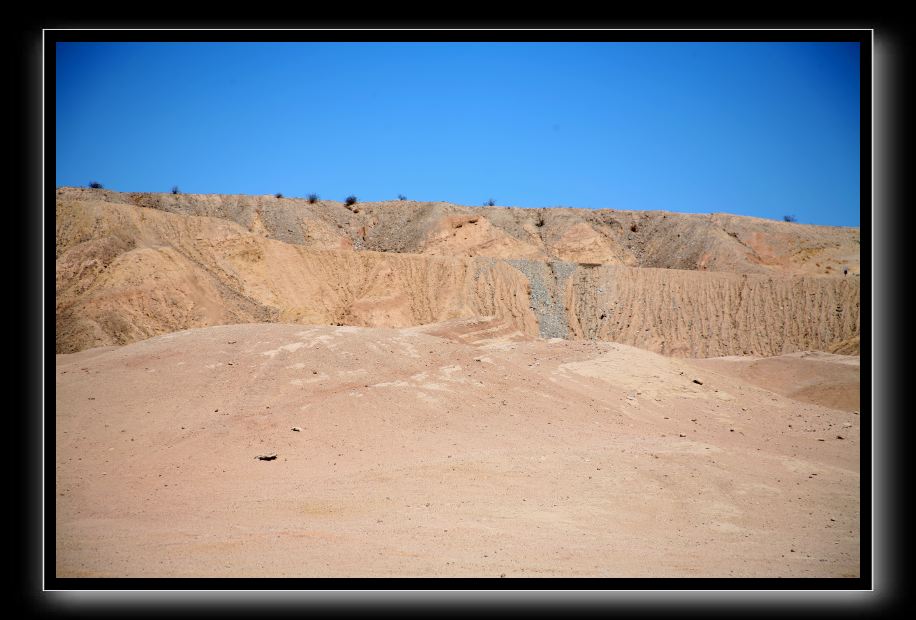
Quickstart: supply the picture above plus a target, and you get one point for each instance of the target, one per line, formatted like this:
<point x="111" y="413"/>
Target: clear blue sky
<point x="764" y="129"/>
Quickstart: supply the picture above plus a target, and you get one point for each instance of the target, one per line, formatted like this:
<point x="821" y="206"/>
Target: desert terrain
<point x="451" y="391"/>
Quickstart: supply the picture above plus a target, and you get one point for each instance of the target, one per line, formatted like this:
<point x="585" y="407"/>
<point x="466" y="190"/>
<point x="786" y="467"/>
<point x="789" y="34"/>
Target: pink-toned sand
<point x="457" y="449"/>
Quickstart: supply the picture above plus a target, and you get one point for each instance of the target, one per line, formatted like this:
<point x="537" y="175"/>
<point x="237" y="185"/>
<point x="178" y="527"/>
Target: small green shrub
<point x="95" y="185"/>
<point x="313" y="198"/>
<point x="789" y="218"/>
<point x="278" y="195"/>
<point x="175" y="190"/>
<point x="351" y="200"/>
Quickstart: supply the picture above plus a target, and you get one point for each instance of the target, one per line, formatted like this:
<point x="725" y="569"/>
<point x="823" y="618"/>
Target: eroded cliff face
<point x="693" y="314"/>
<point x="131" y="266"/>
<point x="703" y="242"/>
<point x="126" y="273"/>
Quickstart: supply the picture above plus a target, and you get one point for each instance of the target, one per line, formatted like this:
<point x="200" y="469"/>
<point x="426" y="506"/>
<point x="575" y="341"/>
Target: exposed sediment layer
<point x="694" y="314"/>
<point x="125" y="273"/>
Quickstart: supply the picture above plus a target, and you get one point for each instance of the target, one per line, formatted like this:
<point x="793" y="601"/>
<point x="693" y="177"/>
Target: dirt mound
<point x="400" y="453"/>
<point x="811" y="377"/>
<point x="125" y="273"/>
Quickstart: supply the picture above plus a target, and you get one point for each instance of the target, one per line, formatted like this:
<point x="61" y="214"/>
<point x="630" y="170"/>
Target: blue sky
<point x="763" y="129"/>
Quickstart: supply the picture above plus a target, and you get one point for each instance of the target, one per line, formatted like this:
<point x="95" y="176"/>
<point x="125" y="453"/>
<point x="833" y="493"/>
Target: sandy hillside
<point x="663" y="239"/>
<point x="526" y="392"/>
<point x="132" y="266"/>
<point x="461" y="448"/>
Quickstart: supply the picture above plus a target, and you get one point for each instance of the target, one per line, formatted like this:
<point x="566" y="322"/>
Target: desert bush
<point x="789" y="218"/>
<point x="351" y="200"/>
<point x="402" y="197"/>
<point x="175" y="189"/>
<point x="313" y="198"/>
<point x="490" y="203"/>
<point x="278" y="195"/>
<point x="95" y="185"/>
